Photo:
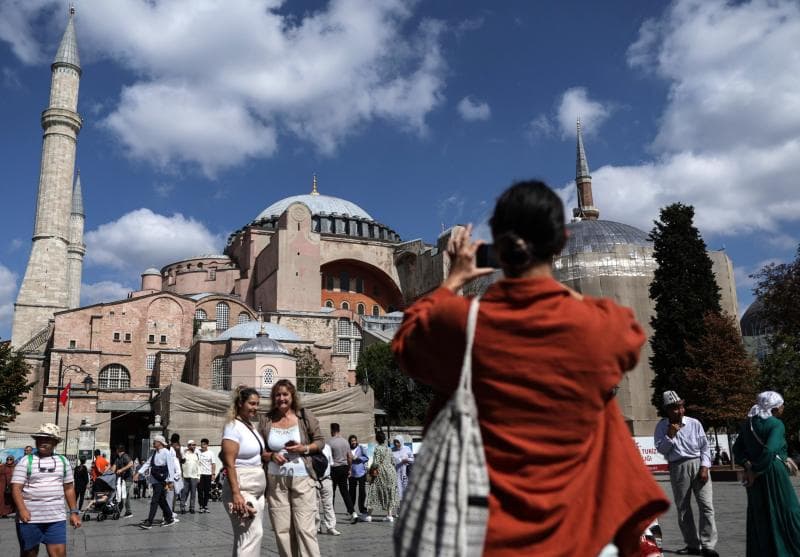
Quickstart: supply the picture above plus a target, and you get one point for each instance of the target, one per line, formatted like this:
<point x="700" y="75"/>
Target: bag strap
<point x="465" y="383"/>
<point x="753" y="431"/>
<point x="253" y="431"/>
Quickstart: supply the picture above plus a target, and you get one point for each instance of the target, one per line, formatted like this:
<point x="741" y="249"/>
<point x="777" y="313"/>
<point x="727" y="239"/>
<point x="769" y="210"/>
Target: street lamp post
<point x="88" y="381"/>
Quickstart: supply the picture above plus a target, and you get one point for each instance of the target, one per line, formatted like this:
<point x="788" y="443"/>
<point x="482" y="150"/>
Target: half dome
<point x="317" y="204"/>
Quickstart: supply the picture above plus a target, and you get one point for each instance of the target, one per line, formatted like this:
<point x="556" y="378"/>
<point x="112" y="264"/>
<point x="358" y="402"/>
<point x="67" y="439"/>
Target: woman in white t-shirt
<point x="243" y="492"/>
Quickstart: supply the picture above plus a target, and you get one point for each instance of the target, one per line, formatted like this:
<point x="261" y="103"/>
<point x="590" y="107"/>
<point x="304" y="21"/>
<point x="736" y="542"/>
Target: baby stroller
<point x="105" y="499"/>
<point x="215" y="493"/>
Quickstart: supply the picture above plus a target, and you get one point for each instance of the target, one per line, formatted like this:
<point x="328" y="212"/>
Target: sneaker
<point x="354" y="516"/>
<point x="389" y="519"/>
<point x="145" y="525"/>
<point x="128" y="515"/>
<point x="367" y="518"/>
<point x="171" y="522"/>
<point x="191" y="511"/>
<point x="334" y="532"/>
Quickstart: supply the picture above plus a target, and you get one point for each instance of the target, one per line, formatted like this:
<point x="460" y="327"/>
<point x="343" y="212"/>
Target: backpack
<point x="29" y="468"/>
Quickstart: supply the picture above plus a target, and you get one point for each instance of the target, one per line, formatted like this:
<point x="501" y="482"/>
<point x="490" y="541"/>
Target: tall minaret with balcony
<point x="45" y="287"/>
<point x="76" y="249"/>
<point x="583" y="180"/>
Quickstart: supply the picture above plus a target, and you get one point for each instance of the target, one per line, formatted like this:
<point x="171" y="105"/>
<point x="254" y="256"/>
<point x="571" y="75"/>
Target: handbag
<point x="158" y="473"/>
<point x="319" y="462"/>
<point x="788" y="462"/>
<point x="445" y="508"/>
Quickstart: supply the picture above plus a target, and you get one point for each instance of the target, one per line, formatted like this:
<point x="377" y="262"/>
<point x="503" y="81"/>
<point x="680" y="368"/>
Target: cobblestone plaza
<point x="210" y="534"/>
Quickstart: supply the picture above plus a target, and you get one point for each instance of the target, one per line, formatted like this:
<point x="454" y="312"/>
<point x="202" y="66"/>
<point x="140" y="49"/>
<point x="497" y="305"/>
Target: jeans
<point x="339" y="478"/>
<point x="80" y="492"/>
<point x="189" y="492"/>
<point x="159" y="499"/>
<point x="204" y="490"/>
<point x="362" y="492"/>
<point x="129" y="494"/>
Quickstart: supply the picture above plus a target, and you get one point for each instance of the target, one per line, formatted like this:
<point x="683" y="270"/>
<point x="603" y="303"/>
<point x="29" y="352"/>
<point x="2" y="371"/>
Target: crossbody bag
<point x="789" y="463"/>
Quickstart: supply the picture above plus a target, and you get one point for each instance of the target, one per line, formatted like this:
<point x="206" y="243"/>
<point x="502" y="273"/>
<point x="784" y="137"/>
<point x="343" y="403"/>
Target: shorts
<point x="48" y="533"/>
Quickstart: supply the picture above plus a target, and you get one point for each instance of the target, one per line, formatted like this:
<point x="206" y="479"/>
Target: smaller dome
<point x="601" y="236"/>
<point x="262" y="344"/>
<point x="252" y="328"/>
<point x="152" y="271"/>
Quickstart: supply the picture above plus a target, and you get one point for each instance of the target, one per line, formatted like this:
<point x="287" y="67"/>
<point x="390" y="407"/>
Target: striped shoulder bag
<point x="445" y="508"/>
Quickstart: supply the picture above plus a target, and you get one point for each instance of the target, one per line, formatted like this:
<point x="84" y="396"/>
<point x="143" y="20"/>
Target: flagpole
<point x="66" y="435"/>
<point x="60" y="380"/>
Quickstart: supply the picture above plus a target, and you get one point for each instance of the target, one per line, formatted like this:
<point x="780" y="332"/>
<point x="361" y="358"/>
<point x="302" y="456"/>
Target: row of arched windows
<point x="361" y="309"/>
<point x="222" y="316"/>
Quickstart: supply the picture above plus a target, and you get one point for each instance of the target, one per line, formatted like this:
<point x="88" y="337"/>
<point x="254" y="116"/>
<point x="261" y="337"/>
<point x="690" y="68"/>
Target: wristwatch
<point x="74" y="511"/>
<point x="306" y="451"/>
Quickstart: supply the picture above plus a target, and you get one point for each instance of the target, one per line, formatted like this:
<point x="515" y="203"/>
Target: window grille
<point x="243" y="318"/>
<point x="151" y="362"/>
<point x="344" y="328"/>
<point x="222" y="316"/>
<point x="220" y="375"/>
<point x="114" y="377"/>
<point x="343" y="346"/>
<point x="200" y="314"/>
<point x="348" y="341"/>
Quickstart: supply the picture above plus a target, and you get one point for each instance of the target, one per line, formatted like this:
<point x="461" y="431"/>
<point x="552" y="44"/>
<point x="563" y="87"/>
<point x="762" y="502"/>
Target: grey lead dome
<point x="262" y="344"/>
<point x="317" y="204"/>
<point x="602" y="236"/>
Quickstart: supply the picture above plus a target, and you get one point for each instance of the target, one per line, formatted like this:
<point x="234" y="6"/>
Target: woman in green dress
<point x="382" y="492"/>
<point x="773" y="513"/>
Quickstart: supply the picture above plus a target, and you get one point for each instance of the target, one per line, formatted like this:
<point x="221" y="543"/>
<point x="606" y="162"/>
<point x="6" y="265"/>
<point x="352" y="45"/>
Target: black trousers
<point x="362" y="492"/>
<point x="339" y="478"/>
<point x="159" y="499"/>
<point x="80" y="491"/>
<point x="204" y="490"/>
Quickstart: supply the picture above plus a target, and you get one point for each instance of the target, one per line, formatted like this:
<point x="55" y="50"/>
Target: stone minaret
<point x="76" y="249"/>
<point x="585" y="209"/>
<point x="44" y="289"/>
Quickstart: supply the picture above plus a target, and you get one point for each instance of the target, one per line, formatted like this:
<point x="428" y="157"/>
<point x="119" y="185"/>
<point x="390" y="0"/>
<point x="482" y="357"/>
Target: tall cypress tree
<point x="684" y="291"/>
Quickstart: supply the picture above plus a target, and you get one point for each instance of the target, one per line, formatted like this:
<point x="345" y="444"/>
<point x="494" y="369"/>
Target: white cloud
<point x="142" y="239"/>
<point x="473" y="110"/>
<point x="8" y="291"/>
<point x="729" y="136"/>
<point x="575" y="103"/>
<point x="103" y="291"/>
<point x="218" y="82"/>
<point x="539" y="127"/>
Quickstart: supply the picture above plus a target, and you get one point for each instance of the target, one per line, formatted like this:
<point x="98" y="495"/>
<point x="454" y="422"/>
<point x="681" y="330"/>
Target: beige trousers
<point x="293" y="510"/>
<point x="247" y="533"/>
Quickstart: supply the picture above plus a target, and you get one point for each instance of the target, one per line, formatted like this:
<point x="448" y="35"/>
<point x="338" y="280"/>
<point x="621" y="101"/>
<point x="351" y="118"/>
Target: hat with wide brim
<point x="51" y="431"/>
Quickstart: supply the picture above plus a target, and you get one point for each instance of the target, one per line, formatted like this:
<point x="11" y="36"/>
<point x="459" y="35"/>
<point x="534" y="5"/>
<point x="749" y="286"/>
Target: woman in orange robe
<point x="566" y="478"/>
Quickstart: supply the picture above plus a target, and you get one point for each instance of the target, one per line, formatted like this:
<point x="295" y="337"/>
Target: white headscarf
<point x="765" y="402"/>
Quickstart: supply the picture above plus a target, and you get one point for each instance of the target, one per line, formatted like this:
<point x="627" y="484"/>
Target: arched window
<point x="222" y="316"/>
<point x="328" y="303"/>
<point x="114" y="377"/>
<point x="348" y="341"/>
<point x="345" y="305"/>
<point x="200" y="314"/>
<point x="361" y="309"/>
<point x="243" y="318"/>
<point x="220" y="374"/>
<point x="268" y="377"/>
<point x="376" y="311"/>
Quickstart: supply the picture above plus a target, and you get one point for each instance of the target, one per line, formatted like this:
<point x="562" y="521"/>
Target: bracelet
<point x="306" y="451"/>
<point x="74" y="511"/>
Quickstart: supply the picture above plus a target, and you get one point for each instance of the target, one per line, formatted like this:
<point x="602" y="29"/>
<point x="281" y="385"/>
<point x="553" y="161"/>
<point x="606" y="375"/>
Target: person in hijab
<point x="6" y="502"/>
<point x="402" y="457"/>
<point x="773" y="512"/>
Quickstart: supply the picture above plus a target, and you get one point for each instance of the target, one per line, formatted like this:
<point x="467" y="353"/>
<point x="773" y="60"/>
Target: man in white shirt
<point x="326" y="518"/>
<point x="208" y="469"/>
<point x="191" y="476"/>
<point x="161" y="466"/>
<point x="39" y="485"/>
<point x="683" y="442"/>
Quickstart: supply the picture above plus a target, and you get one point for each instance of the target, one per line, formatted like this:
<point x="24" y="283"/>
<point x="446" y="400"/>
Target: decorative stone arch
<point x="368" y="284"/>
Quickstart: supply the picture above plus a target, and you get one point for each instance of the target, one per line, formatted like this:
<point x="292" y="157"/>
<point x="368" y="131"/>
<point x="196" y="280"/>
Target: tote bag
<point x="445" y="508"/>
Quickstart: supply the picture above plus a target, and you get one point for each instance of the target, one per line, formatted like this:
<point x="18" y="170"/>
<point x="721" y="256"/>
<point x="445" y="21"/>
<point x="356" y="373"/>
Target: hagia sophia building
<point x="309" y="271"/>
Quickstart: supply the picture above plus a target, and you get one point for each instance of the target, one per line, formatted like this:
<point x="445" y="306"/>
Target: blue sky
<point x="198" y="114"/>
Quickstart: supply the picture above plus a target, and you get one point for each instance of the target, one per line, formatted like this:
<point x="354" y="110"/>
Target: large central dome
<point x="317" y="204"/>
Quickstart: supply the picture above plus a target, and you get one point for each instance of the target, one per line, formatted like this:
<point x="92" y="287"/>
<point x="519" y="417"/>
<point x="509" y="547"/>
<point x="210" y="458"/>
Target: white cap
<point x="670" y="398"/>
<point x="160" y="439"/>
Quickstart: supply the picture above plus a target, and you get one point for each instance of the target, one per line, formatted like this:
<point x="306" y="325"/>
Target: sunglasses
<point x="48" y="470"/>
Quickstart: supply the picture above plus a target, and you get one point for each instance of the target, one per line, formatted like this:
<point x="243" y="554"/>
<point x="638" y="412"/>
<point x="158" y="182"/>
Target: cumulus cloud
<point x="219" y="82"/>
<point x="142" y="239"/>
<point x="473" y="110"/>
<point x="8" y="291"/>
<point x="729" y="136"/>
<point x="103" y="291"/>
<point x="575" y="103"/>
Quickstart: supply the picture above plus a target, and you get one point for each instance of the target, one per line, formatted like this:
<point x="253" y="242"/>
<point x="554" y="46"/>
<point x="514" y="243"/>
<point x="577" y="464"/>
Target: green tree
<point x="720" y="385"/>
<point x="404" y="401"/>
<point x="778" y="288"/>
<point x="684" y="290"/>
<point x="13" y="382"/>
<point x="310" y="376"/>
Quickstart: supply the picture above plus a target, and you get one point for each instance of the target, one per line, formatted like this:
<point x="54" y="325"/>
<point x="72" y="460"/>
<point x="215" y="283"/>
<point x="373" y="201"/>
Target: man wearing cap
<point x="39" y="485"/>
<point x="191" y="476"/>
<point x="683" y="442"/>
<point x="161" y="465"/>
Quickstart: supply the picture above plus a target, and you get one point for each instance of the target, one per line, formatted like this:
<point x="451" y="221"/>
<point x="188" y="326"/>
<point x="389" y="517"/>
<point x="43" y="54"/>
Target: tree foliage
<point x="13" y="382"/>
<point x="684" y="290"/>
<point x="310" y="377"/>
<point x="404" y="401"/>
<point x="720" y="385"/>
<point x="778" y="289"/>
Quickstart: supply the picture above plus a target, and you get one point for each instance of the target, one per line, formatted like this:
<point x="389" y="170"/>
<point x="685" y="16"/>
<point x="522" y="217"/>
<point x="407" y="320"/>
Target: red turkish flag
<point x="64" y="395"/>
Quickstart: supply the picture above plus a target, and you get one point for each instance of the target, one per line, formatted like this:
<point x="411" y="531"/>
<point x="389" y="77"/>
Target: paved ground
<point x="210" y="534"/>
